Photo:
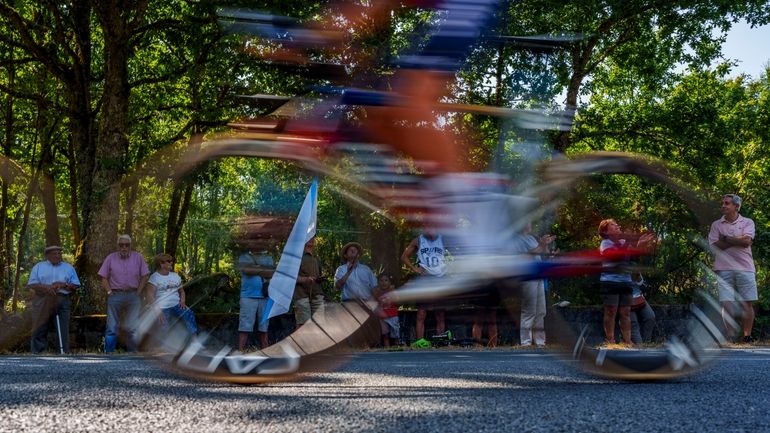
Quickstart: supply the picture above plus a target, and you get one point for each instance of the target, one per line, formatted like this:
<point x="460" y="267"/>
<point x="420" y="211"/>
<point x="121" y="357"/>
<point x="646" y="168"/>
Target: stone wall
<point x="87" y="331"/>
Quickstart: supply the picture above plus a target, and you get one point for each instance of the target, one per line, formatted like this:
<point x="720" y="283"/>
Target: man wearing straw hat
<point x="354" y="279"/>
<point x="53" y="281"/>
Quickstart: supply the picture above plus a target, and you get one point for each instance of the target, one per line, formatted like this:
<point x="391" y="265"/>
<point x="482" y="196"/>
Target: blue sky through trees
<point x="750" y="47"/>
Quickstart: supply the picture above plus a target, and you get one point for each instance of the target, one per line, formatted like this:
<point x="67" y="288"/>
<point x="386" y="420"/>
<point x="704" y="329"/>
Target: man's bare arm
<point x="266" y="272"/>
<point x="106" y="285"/>
<point x="42" y="289"/>
<point x="406" y="257"/>
<point x="182" y="297"/>
<point x="254" y="270"/>
<point x="340" y="283"/>
<point x="726" y="242"/>
<point x="142" y="283"/>
<point x="150" y="288"/>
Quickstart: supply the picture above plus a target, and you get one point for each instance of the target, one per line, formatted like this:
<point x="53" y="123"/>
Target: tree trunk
<point x="9" y="253"/>
<point x="81" y="191"/>
<point x="132" y="193"/>
<point x="7" y="146"/>
<point x="48" y="197"/>
<point x="173" y="229"/>
<point x="103" y="208"/>
<point x="581" y="55"/>
<point x="73" y="195"/>
<point x="563" y="139"/>
<point x="22" y="233"/>
<point x="208" y="256"/>
<point x="48" y="192"/>
<point x="5" y="242"/>
<point x="82" y="149"/>
<point x="497" y="163"/>
<point x="384" y="250"/>
<point x="31" y="189"/>
<point x="180" y="201"/>
<point x="193" y="254"/>
<point x="180" y="205"/>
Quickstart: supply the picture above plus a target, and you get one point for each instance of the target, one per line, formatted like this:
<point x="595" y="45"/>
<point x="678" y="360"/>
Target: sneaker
<point x="446" y="335"/>
<point x="748" y="339"/>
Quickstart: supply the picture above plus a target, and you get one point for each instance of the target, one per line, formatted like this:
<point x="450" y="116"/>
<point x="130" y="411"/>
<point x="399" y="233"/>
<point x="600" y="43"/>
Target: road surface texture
<point x="411" y="391"/>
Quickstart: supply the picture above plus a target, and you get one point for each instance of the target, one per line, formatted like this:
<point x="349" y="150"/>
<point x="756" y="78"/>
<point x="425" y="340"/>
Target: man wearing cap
<point x="123" y="274"/>
<point x="354" y="279"/>
<point x="53" y="281"/>
<point x="731" y="238"/>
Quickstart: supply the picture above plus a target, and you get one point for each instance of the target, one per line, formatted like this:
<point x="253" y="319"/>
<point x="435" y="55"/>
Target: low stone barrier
<point x="87" y="332"/>
<point x="669" y="320"/>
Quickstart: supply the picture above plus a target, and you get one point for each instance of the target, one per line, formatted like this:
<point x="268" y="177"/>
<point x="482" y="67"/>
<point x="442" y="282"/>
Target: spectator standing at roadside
<point x="431" y="262"/>
<point x="256" y="271"/>
<point x="389" y="323"/>
<point x="615" y="281"/>
<point x="642" y="316"/>
<point x="53" y="281"/>
<point x="353" y="278"/>
<point x="731" y="238"/>
<point x="533" y="307"/>
<point x="308" y="298"/>
<point x="165" y="292"/>
<point x="123" y="275"/>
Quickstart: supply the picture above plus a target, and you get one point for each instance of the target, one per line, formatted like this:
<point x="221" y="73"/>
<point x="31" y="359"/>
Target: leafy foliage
<point x="185" y="78"/>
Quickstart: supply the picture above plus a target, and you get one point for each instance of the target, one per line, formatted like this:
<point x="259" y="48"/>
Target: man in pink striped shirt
<point x="123" y="275"/>
<point x="730" y="238"/>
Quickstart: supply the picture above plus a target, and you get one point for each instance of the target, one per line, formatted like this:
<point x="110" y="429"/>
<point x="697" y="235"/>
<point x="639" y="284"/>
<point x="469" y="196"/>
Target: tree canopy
<point x="99" y="98"/>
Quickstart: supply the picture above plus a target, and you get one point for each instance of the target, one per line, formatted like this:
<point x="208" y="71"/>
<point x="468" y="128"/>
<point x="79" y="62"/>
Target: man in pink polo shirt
<point x="730" y="238"/>
<point x="123" y="274"/>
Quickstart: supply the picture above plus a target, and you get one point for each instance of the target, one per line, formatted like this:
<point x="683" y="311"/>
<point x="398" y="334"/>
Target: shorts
<point x="390" y="326"/>
<point x="434" y="304"/>
<point x="616" y="294"/>
<point x="252" y="310"/>
<point x="305" y="308"/>
<point x="737" y="286"/>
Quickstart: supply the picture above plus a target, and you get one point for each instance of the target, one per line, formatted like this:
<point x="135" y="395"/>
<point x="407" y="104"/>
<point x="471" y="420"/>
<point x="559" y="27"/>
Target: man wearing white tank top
<point x="431" y="254"/>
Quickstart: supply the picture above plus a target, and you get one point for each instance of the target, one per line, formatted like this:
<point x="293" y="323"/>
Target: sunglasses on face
<point x="124" y="245"/>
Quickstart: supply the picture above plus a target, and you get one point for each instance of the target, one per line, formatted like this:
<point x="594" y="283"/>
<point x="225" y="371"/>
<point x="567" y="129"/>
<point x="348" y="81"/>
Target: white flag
<point x="285" y="277"/>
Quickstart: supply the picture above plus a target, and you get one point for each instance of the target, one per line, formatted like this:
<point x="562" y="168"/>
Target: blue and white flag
<point x="285" y="277"/>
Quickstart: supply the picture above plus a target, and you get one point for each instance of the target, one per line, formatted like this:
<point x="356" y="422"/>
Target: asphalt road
<point x="425" y="391"/>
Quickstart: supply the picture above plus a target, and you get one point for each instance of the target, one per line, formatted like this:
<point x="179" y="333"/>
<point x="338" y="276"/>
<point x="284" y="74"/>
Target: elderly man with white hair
<point x="123" y="274"/>
<point x="731" y="238"/>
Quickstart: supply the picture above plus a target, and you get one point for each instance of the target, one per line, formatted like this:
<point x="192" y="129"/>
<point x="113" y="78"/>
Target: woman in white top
<point x="167" y="294"/>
